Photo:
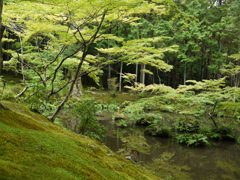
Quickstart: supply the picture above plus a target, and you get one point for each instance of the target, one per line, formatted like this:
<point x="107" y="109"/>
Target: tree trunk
<point x="120" y="77"/>
<point x="109" y="71"/>
<point x="142" y="77"/>
<point x="22" y="60"/>
<point x="76" y="76"/>
<point x="185" y="74"/>
<point x="2" y="28"/>
<point x="86" y="46"/>
<point x="77" y="89"/>
<point x="136" y="78"/>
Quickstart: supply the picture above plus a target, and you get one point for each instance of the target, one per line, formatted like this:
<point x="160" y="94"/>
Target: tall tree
<point x="63" y="33"/>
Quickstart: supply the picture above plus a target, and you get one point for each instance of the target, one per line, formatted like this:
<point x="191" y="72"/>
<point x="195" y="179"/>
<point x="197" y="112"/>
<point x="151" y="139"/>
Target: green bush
<point x="148" y="119"/>
<point x="195" y="140"/>
<point x="222" y="133"/>
<point x="157" y="130"/>
<point x="187" y="126"/>
<point x="122" y="123"/>
<point x="85" y="110"/>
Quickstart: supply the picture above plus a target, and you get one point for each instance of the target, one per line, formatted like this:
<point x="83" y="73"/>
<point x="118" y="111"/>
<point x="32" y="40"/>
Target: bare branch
<point x="60" y="65"/>
<point x="61" y="88"/>
<point x="23" y="91"/>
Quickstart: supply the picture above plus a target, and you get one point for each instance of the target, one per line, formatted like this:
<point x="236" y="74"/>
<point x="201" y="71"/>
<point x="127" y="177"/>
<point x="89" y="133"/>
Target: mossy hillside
<point x="31" y="147"/>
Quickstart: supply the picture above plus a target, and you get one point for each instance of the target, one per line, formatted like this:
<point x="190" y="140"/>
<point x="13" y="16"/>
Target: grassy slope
<point x="31" y="147"/>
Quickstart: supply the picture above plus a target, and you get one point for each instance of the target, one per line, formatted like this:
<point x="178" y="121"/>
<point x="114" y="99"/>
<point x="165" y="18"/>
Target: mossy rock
<point x="146" y="121"/>
<point x="158" y="131"/>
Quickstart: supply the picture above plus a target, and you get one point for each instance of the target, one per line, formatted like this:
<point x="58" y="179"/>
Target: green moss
<point x="31" y="147"/>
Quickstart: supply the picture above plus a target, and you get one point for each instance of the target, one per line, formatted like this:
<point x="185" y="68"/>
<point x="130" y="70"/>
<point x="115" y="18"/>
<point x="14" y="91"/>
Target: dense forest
<point x="161" y="47"/>
<point x="142" y="61"/>
<point x="55" y="46"/>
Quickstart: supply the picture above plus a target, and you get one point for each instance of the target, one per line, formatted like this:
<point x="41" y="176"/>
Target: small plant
<point x="142" y="94"/>
<point x="222" y="133"/>
<point x="113" y="94"/>
<point x="125" y="104"/>
<point x="85" y="110"/>
<point x="112" y="86"/>
<point x="122" y="123"/>
<point x="157" y="130"/>
<point x="148" y="119"/>
<point x="195" y="140"/>
<point x="187" y="126"/>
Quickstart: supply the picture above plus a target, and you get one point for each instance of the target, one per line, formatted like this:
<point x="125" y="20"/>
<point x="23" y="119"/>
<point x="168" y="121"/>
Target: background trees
<point x="56" y="40"/>
<point x="55" y="45"/>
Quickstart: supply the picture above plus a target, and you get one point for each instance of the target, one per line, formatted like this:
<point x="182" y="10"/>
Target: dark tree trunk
<point x="2" y="28"/>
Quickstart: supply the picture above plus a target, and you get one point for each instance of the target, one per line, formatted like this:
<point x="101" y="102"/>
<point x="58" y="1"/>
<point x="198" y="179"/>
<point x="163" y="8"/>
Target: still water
<point x="171" y="161"/>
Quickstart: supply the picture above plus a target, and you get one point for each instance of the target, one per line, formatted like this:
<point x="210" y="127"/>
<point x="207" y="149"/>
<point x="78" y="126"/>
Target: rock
<point x="134" y="156"/>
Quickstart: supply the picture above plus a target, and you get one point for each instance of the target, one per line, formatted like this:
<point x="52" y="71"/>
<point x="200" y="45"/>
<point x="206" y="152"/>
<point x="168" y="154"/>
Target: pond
<point x="169" y="160"/>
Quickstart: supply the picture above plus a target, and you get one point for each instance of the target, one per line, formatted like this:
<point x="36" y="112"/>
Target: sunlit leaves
<point x="143" y="51"/>
<point x="203" y="86"/>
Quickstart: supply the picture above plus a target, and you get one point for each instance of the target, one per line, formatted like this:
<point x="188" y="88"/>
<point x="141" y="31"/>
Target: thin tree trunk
<point x="22" y="61"/>
<point x="136" y="78"/>
<point x="59" y="108"/>
<point x="120" y="77"/>
<point x="185" y="74"/>
<point x="109" y="66"/>
<point x="212" y="116"/>
<point x="86" y="45"/>
<point x="109" y="71"/>
<point x="142" y="78"/>
<point x="159" y="79"/>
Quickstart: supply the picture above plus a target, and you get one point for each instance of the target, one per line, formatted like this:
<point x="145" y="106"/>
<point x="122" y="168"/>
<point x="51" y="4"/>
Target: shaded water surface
<point x="169" y="160"/>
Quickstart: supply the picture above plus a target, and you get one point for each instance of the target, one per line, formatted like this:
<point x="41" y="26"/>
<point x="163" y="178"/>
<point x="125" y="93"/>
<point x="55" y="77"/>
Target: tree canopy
<point x="55" y="45"/>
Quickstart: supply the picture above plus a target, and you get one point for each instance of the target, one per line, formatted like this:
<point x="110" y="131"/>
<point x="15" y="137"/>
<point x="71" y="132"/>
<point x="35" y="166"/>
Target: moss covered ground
<point x="31" y="147"/>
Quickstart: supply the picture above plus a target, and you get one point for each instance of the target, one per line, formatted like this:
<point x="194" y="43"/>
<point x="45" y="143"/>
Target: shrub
<point x="148" y="119"/>
<point x="195" y="140"/>
<point x="112" y="84"/>
<point x="222" y="133"/>
<point x="187" y="126"/>
<point x="157" y="130"/>
<point x="122" y="123"/>
<point x="85" y="110"/>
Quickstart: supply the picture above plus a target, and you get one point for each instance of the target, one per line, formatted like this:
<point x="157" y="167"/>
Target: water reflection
<point x="170" y="160"/>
